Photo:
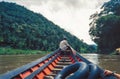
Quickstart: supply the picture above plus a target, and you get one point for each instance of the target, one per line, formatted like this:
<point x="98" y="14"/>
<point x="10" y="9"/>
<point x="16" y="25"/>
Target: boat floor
<point x="64" y="61"/>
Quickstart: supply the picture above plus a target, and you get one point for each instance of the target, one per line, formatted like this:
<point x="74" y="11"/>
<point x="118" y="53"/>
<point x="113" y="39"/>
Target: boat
<point x="57" y="65"/>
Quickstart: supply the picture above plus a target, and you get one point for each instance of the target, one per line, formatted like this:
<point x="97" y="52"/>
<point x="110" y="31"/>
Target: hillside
<point x="23" y="29"/>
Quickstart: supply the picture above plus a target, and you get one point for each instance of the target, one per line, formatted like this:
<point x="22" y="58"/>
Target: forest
<point x="21" y="28"/>
<point x="105" y="27"/>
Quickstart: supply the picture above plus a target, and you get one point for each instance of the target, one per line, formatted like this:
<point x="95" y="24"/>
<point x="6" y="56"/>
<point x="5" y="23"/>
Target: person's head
<point x="64" y="38"/>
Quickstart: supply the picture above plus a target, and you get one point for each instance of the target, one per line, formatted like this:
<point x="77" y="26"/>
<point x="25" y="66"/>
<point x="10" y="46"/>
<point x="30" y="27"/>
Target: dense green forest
<point x="105" y="27"/>
<point x="23" y="29"/>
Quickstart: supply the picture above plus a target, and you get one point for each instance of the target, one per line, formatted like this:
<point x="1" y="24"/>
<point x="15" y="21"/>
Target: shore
<point x="11" y="51"/>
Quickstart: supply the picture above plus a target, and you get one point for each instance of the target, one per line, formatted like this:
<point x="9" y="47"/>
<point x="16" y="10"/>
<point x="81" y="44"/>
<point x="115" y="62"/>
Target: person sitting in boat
<point x="108" y="72"/>
<point x="65" y="47"/>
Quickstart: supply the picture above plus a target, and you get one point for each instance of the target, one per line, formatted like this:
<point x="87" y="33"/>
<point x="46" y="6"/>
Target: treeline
<point x="23" y="29"/>
<point x="105" y="27"/>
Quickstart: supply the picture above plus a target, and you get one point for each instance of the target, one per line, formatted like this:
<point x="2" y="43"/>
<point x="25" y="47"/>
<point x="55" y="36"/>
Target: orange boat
<point x="58" y="66"/>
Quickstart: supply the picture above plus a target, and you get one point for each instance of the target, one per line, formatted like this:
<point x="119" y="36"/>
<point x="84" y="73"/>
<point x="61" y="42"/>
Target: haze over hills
<point x="24" y="29"/>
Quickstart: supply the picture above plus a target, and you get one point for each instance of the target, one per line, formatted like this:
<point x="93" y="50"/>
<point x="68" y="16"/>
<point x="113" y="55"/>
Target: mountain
<point x="24" y="29"/>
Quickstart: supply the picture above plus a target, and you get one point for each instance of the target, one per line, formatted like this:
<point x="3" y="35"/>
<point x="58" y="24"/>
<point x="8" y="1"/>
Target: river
<point x="111" y="62"/>
<point x="9" y="62"/>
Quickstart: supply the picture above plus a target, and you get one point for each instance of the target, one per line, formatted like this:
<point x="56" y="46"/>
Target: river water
<point x="9" y="62"/>
<point x="110" y="62"/>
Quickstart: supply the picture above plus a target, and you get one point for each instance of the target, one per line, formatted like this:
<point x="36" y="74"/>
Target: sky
<point x="71" y="15"/>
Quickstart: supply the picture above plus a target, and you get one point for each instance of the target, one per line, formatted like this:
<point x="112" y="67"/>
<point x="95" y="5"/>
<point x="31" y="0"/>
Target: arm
<point x="66" y="43"/>
<point x="108" y="72"/>
<point x="74" y="52"/>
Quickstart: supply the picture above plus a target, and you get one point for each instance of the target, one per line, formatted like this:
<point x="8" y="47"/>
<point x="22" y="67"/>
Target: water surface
<point x="110" y="62"/>
<point x="9" y="62"/>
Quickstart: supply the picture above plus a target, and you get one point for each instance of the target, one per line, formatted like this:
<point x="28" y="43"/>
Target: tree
<point x="105" y="27"/>
<point x="24" y="29"/>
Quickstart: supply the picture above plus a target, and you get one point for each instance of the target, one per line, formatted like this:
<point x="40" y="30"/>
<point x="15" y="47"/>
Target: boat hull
<point x="58" y="65"/>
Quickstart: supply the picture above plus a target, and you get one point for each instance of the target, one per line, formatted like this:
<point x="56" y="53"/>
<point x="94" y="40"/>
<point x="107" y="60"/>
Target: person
<point x="64" y="44"/>
<point x="108" y="72"/>
<point x="65" y="47"/>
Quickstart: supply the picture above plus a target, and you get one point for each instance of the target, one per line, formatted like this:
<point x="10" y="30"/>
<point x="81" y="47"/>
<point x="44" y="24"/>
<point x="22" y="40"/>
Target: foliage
<point x="23" y="29"/>
<point x="11" y="51"/>
<point x="105" y="27"/>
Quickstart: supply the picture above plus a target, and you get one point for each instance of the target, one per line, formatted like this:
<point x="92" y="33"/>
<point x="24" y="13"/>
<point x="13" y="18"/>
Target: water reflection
<point x="91" y="57"/>
<point x="111" y="62"/>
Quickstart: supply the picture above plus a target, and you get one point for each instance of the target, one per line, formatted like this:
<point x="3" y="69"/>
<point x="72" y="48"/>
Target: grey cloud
<point x="68" y="3"/>
<point x="76" y="4"/>
<point x="56" y="5"/>
<point x="71" y="3"/>
<point x="28" y="3"/>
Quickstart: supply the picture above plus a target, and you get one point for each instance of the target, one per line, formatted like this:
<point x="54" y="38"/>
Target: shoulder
<point x="65" y="41"/>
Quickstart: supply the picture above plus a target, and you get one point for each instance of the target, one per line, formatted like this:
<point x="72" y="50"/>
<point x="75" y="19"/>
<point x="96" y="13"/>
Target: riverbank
<point x="11" y="51"/>
<point x="13" y="58"/>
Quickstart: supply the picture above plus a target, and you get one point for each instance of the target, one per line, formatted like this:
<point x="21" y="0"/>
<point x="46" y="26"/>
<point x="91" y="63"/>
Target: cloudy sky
<point x="72" y="15"/>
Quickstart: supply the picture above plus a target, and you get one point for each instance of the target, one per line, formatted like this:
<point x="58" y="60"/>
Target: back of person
<point x="63" y="45"/>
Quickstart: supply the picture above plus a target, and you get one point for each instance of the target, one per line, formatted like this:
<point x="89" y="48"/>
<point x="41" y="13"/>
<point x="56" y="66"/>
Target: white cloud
<point x="74" y="21"/>
<point x="72" y="15"/>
